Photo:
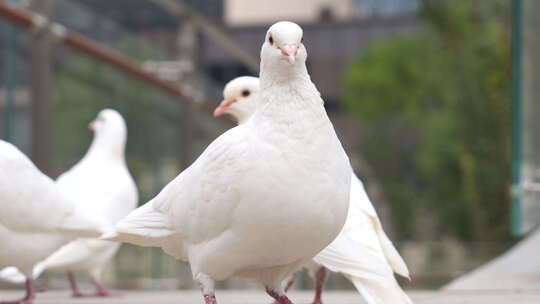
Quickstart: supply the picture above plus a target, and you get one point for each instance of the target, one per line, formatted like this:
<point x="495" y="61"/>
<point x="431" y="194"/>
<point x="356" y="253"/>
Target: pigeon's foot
<point x="210" y="299"/>
<point x="207" y="288"/>
<point x="97" y="294"/>
<point x="101" y="290"/>
<point x="108" y="293"/>
<point x="290" y="283"/>
<point x="77" y="295"/>
<point x="41" y="289"/>
<point x="281" y="299"/>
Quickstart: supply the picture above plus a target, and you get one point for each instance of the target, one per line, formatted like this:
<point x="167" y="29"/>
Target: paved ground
<point x="256" y="297"/>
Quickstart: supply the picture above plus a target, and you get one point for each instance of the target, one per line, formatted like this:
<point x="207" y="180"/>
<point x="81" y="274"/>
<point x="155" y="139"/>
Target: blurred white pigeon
<point x="265" y="196"/>
<point x="372" y="258"/>
<point x="36" y="218"/>
<point x="102" y="186"/>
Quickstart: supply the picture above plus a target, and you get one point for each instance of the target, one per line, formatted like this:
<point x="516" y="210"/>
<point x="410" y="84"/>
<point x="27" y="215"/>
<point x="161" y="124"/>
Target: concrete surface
<point x="299" y="297"/>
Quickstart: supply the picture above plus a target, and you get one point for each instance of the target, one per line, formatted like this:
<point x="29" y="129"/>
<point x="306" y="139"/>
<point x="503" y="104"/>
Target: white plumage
<point x="36" y="217"/>
<point x="265" y="196"/>
<point x="362" y="251"/>
<point x="102" y="186"/>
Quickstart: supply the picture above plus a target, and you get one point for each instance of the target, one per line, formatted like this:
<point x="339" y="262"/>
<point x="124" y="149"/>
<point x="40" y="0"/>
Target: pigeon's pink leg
<point x="290" y="283"/>
<point x="75" y="292"/>
<point x="28" y="298"/>
<point x="319" y="284"/>
<point x="282" y="299"/>
<point x="102" y="291"/>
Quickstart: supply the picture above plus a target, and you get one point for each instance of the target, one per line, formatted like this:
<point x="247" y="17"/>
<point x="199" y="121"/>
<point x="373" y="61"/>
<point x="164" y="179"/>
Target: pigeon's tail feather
<point x="380" y="292"/>
<point x="146" y="226"/>
<point x="13" y="275"/>
<point x="360" y="201"/>
<point x="392" y="255"/>
<point x="371" y="274"/>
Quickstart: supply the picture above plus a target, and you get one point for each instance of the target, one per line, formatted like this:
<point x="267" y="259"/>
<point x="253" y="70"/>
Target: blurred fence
<point x="530" y="174"/>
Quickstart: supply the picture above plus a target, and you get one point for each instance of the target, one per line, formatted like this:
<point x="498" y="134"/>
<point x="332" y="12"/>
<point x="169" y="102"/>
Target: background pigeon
<point x="102" y="186"/>
<point x="369" y="258"/>
<point x="36" y="218"/>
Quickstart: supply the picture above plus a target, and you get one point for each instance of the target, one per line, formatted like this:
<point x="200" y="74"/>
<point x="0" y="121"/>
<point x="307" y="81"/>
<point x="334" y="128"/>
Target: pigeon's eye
<point x="245" y="93"/>
<point x="302" y="40"/>
<point x="271" y="40"/>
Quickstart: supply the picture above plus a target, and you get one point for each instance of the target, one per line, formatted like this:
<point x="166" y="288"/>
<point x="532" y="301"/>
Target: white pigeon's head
<point x="108" y="120"/>
<point x="283" y="45"/>
<point x="110" y="131"/>
<point x="239" y="98"/>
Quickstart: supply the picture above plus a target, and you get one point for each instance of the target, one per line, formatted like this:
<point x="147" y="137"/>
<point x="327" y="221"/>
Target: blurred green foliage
<point x="436" y="105"/>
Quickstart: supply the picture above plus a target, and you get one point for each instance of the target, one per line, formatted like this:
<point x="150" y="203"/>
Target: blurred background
<point x="434" y="101"/>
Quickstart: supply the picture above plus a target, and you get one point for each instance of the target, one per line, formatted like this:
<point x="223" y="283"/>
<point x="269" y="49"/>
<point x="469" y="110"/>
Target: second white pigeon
<point x="362" y="252"/>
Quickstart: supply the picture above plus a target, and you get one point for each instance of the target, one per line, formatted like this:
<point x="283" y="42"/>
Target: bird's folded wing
<point x="367" y="217"/>
<point x="392" y="255"/>
<point x="372" y="277"/>
<point x="190" y="205"/>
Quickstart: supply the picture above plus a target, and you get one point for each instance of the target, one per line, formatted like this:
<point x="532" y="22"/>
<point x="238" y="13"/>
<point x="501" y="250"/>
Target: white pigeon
<point x="36" y="218"/>
<point x="101" y="185"/>
<point x="265" y="196"/>
<point x="370" y="258"/>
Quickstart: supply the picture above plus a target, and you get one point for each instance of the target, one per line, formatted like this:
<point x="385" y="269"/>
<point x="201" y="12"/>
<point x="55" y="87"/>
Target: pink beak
<point x="289" y="51"/>
<point x="223" y="106"/>
<point x="92" y="126"/>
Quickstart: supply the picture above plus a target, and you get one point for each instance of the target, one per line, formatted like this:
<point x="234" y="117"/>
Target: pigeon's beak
<point x="223" y="107"/>
<point x="92" y="126"/>
<point x="289" y="51"/>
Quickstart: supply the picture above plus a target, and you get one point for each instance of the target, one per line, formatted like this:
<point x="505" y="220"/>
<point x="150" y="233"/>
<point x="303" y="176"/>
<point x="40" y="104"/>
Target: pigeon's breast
<point x="298" y="201"/>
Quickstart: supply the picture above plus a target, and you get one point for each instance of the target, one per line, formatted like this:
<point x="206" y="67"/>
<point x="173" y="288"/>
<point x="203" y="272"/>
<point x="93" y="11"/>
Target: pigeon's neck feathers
<point x="288" y="97"/>
<point x="106" y="146"/>
<point x="243" y="115"/>
<point x="273" y="74"/>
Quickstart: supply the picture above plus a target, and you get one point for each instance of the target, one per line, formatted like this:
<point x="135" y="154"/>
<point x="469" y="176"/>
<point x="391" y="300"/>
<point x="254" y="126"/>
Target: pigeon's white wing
<point x="372" y="276"/>
<point x="182" y="209"/>
<point x="31" y="201"/>
<point x="364" y="227"/>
